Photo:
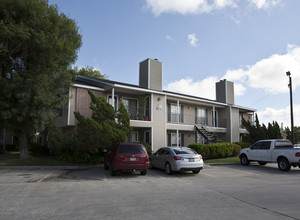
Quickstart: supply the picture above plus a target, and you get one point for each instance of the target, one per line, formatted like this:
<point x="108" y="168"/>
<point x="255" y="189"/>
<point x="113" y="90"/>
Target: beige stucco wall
<point x="159" y="113"/>
<point x="235" y="125"/>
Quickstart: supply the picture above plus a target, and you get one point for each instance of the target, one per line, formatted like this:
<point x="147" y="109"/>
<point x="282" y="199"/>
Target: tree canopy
<point x="92" y="135"/>
<point x="288" y="133"/>
<point x="89" y="71"/>
<point x="260" y="132"/>
<point x="37" y="46"/>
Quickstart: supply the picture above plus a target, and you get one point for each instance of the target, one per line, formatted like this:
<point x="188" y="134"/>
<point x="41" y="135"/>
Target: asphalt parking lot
<point x="218" y="192"/>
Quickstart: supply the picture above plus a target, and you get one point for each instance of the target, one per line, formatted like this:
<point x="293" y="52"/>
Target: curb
<point x="220" y="164"/>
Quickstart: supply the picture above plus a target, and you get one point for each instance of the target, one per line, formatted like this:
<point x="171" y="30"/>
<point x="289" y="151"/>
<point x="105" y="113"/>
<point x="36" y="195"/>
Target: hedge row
<point x="217" y="150"/>
<point x="243" y="144"/>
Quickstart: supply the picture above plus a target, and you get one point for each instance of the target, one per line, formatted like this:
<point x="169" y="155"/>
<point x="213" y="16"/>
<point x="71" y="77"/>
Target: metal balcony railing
<point x="135" y="113"/>
<point x="194" y="120"/>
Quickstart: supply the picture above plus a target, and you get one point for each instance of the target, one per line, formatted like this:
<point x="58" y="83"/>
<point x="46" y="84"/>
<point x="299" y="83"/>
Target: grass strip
<point x="224" y="160"/>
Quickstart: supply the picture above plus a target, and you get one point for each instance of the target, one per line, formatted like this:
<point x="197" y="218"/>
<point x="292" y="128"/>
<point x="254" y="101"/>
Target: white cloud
<point x="168" y="37"/>
<point x="183" y="7"/>
<point x="264" y="4"/>
<point x="192" y="39"/>
<point x="280" y="115"/>
<point x="270" y="73"/>
<point x="204" y="88"/>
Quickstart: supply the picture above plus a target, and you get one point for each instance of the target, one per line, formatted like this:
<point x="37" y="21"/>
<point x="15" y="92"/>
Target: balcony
<point x="141" y="114"/>
<point x="194" y="120"/>
<point x="186" y="119"/>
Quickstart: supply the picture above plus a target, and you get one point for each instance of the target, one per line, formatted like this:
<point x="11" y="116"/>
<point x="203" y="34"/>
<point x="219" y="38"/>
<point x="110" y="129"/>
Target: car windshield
<point x="183" y="151"/>
<point x="283" y="144"/>
<point x="132" y="149"/>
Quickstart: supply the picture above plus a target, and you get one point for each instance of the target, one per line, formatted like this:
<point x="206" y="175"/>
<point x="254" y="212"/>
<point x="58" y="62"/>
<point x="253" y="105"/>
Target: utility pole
<point x="291" y="103"/>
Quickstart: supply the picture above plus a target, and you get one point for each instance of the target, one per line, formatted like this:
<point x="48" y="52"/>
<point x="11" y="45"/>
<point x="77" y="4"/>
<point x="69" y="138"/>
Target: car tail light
<point x="297" y="154"/>
<point x="200" y="157"/>
<point x="177" y="158"/>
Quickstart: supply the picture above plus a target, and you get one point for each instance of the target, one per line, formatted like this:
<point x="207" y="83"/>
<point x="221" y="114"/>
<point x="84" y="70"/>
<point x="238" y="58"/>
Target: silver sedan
<point x="176" y="159"/>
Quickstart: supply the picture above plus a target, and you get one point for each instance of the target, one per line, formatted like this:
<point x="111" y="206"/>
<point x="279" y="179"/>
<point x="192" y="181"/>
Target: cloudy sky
<point x="250" y="42"/>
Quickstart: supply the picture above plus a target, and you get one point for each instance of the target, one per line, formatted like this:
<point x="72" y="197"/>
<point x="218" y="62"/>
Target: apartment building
<point x="162" y="118"/>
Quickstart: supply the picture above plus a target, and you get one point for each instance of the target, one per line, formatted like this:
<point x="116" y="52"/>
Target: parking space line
<point x="203" y="173"/>
<point x="46" y="176"/>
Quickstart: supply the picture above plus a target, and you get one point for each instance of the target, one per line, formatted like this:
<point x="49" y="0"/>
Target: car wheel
<point x="143" y="172"/>
<point x="262" y="163"/>
<point x="283" y="164"/>
<point x="168" y="169"/>
<point x="196" y="171"/>
<point x="244" y="160"/>
<point x="112" y="170"/>
<point x="106" y="167"/>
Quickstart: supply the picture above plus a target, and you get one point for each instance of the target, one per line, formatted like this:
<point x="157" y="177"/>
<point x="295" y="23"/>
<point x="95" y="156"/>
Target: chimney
<point x="151" y="74"/>
<point x="225" y="92"/>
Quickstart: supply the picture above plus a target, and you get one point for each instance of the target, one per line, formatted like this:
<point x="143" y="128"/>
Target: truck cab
<point x="272" y="151"/>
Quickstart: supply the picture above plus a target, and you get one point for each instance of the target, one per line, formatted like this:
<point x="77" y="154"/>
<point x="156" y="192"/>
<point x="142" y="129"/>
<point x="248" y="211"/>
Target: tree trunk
<point x="23" y="146"/>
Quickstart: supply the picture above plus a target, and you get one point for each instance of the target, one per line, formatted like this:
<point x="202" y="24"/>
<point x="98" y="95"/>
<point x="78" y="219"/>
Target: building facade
<point x="162" y="118"/>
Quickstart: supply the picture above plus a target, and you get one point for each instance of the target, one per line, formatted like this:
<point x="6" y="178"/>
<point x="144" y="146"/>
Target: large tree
<point x="259" y="132"/>
<point x="37" y="46"/>
<point x="102" y="131"/>
<point x="89" y="71"/>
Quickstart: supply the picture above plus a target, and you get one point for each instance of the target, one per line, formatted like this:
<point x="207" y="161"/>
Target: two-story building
<point x="162" y="118"/>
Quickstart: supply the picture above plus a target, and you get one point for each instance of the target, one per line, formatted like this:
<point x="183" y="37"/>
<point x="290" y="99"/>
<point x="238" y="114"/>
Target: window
<point x="215" y="118"/>
<point x="147" y="137"/>
<point x="132" y="149"/>
<point x="174" y="139"/>
<point x="184" y="151"/>
<point x="283" y="144"/>
<point x="261" y="145"/>
<point x="200" y="139"/>
<point x="131" y="106"/>
<point x="134" y="136"/>
<point x="201" y="116"/>
<point x="175" y="113"/>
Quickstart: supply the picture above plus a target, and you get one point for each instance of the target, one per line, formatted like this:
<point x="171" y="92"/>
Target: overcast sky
<point x="250" y="42"/>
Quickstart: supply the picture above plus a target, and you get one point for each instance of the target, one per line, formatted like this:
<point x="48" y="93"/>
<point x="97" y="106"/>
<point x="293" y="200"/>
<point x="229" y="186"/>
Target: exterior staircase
<point x="209" y="137"/>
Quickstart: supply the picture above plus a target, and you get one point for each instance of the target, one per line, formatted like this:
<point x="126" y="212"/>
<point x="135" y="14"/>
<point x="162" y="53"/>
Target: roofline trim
<point x="88" y="87"/>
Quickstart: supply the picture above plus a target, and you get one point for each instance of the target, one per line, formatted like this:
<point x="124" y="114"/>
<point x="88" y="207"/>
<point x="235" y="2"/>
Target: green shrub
<point x="148" y="149"/>
<point x="237" y="149"/>
<point x="243" y="144"/>
<point x="217" y="150"/>
<point x="202" y="149"/>
<point x="37" y="150"/>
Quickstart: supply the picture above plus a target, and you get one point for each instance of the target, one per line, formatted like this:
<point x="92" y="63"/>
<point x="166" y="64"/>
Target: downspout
<point x="230" y="120"/>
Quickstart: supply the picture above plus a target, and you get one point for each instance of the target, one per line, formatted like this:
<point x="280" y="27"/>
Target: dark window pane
<point x="132" y="149"/>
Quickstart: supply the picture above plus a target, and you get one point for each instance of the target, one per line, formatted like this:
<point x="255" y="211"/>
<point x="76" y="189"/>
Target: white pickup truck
<point x="272" y="151"/>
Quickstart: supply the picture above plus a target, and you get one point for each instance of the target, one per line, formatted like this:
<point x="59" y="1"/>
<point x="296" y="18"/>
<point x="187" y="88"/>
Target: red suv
<point x="127" y="157"/>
